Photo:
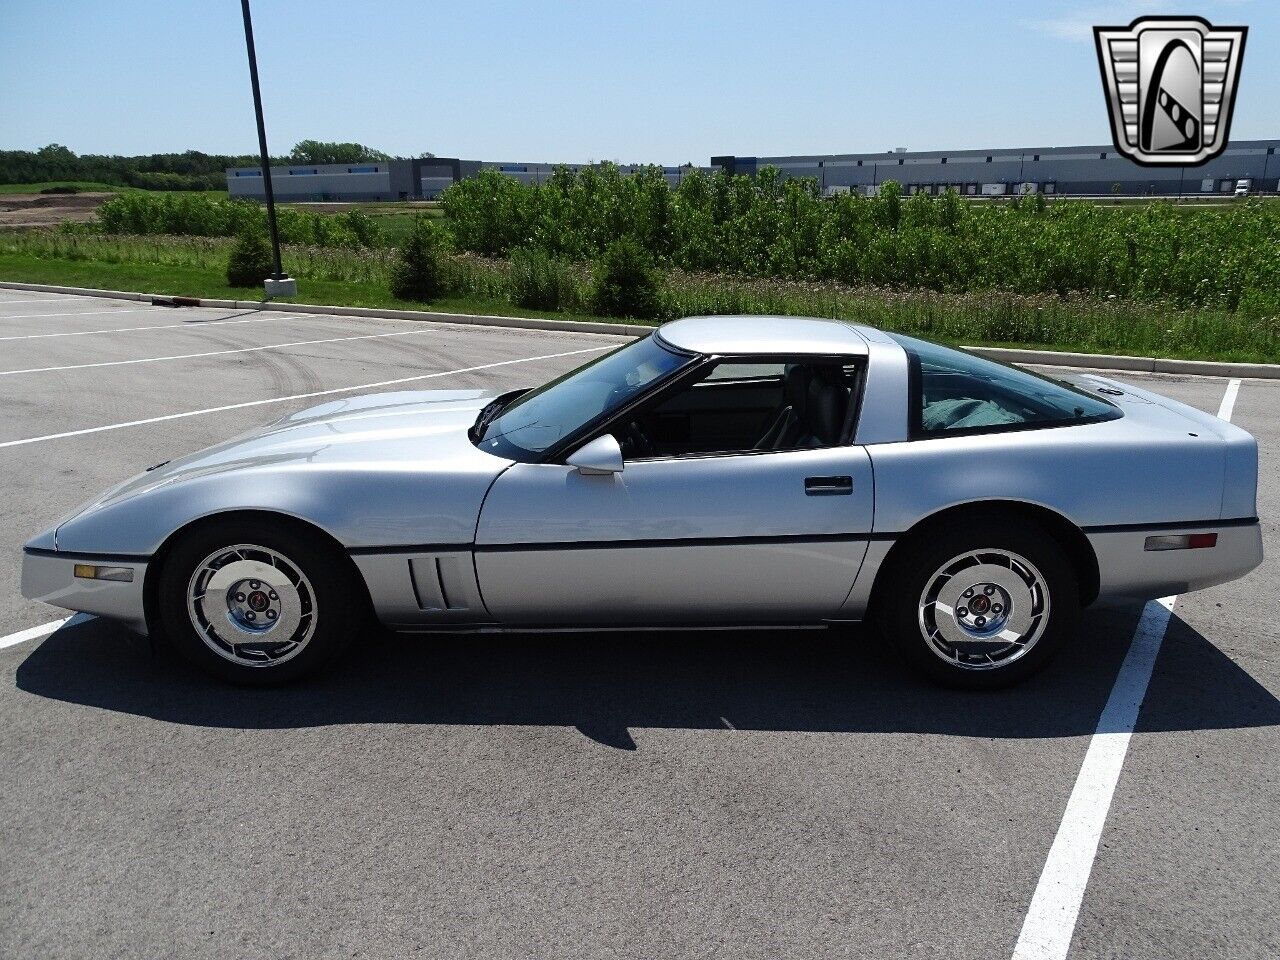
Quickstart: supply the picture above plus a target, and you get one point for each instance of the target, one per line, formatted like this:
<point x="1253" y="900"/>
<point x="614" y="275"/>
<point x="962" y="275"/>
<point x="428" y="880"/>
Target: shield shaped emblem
<point x="1171" y="86"/>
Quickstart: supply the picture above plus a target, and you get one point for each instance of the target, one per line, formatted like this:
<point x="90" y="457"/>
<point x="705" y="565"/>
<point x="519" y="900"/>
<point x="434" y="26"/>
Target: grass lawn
<point x="201" y="282"/>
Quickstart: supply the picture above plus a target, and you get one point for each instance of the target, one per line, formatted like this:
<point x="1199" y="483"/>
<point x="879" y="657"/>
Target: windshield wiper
<point x="491" y="410"/>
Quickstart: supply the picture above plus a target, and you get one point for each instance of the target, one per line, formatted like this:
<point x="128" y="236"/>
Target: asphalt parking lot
<point x="781" y="794"/>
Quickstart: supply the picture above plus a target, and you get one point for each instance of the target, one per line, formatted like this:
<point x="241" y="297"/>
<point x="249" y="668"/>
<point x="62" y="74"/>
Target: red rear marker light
<point x="1185" y="541"/>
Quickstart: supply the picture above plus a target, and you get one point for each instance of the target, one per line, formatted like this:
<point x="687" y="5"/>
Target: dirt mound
<point x="48" y="209"/>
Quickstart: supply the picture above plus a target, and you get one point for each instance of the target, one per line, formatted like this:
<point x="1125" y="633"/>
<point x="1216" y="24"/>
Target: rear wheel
<point x="983" y="605"/>
<point x="257" y="603"/>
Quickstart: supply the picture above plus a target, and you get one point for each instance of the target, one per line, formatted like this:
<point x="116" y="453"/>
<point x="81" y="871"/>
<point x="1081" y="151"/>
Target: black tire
<point x="338" y="607"/>
<point x="906" y="622"/>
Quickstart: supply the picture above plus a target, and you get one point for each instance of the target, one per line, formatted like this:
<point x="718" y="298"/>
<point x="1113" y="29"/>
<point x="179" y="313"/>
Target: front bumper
<point x="1127" y="570"/>
<point x="49" y="576"/>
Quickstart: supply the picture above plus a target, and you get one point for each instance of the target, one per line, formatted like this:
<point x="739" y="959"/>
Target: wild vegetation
<point x="472" y="283"/>
<point x="195" y="215"/>
<point x="770" y="226"/>
<point x="1150" y="279"/>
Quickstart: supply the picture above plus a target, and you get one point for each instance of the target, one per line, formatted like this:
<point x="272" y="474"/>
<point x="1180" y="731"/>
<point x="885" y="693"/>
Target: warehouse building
<point x="383" y="180"/>
<point x="423" y="179"/>
<point x="1074" y="171"/>
<point x="1079" y="171"/>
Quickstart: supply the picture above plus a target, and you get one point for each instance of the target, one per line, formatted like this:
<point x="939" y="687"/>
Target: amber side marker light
<point x="88" y="571"/>
<point x="1185" y="541"/>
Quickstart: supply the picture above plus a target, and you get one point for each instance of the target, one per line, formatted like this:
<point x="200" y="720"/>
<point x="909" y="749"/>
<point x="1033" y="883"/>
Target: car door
<point x="733" y="537"/>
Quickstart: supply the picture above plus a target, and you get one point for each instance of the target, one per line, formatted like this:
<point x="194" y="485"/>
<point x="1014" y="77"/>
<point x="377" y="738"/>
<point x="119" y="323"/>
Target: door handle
<point x="828" y="486"/>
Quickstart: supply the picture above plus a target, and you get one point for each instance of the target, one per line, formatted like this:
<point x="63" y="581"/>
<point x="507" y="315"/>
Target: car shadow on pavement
<point x="604" y="684"/>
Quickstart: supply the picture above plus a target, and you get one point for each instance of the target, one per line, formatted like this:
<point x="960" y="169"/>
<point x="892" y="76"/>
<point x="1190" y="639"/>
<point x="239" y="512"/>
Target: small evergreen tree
<point x="418" y="274"/>
<point x="626" y="283"/>
<point x="250" y="262"/>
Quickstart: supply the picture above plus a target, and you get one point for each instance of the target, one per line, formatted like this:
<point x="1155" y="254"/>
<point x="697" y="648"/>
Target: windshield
<point x="540" y="418"/>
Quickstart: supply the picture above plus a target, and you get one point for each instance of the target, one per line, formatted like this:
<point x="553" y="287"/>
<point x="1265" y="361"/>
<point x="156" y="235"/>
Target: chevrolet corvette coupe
<point x="721" y="471"/>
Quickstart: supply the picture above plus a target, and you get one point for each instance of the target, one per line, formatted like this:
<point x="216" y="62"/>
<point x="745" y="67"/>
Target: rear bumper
<point x="49" y="576"/>
<point x="1127" y="570"/>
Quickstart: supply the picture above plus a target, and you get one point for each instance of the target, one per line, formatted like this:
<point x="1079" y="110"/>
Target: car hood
<point x="391" y="467"/>
<point x="420" y="428"/>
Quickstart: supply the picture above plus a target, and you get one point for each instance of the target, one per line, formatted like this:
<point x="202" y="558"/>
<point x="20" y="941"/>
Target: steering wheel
<point x="636" y="442"/>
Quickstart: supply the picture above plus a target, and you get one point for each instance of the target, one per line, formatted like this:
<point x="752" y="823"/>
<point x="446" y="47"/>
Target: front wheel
<point x="983" y="605"/>
<point x="257" y="603"/>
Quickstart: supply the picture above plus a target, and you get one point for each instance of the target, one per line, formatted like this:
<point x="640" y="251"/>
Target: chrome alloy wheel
<point x="984" y="609"/>
<point x="251" y="605"/>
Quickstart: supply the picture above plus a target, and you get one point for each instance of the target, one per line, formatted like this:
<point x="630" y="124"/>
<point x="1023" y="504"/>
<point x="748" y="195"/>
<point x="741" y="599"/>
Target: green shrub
<point x="361" y="226"/>
<point x="250" y="262"/>
<point x="208" y="216"/>
<point x="889" y="204"/>
<point x="488" y="213"/>
<point x="626" y="283"/>
<point x="539" y="281"/>
<point x="419" y="271"/>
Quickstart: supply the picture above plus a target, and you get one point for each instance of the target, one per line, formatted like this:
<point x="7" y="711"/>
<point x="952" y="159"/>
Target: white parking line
<point x="296" y="396"/>
<point x="213" y="353"/>
<point x="34" y="633"/>
<point x="1055" y="906"/>
<point x="187" y="324"/>
<point x="1228" y="405"/>
<point x="78" y="313"/>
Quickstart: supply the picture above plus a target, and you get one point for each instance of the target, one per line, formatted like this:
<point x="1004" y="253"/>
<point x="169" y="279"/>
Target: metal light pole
<point x="278" y="285"/>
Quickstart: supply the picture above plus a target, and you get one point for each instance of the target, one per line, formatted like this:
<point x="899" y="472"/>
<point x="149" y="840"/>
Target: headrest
<point x="795" y="386"/>
<point x="828" y="405"/>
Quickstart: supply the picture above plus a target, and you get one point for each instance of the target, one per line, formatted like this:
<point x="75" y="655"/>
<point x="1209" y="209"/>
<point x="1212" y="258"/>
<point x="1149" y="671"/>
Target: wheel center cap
<point x="982" y="609"/>
<point x="258" y="601"/>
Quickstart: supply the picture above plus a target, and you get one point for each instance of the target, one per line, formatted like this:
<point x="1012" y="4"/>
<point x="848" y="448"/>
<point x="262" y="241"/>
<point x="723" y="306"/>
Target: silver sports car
<point x="722" y="471"/>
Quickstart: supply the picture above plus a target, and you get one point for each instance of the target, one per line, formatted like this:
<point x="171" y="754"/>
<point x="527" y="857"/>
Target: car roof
<point x="756" y="335"/>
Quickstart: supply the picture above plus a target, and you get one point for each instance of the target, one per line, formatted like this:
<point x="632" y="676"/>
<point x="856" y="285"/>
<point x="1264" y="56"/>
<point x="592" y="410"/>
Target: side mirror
<point x="601" y="456"/>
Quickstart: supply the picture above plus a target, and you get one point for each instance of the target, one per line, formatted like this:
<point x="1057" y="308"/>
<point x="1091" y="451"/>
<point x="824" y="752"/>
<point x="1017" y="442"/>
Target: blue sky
<point x="655" y="81"/>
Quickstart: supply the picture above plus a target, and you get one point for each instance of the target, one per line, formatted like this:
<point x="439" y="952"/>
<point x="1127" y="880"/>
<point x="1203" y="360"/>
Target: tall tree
<point x="320" y="151"/>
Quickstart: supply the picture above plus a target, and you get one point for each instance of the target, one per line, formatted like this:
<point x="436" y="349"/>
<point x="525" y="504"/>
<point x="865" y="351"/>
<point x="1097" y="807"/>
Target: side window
<point x="955" y="391"/>
<point x="737" y="407"/>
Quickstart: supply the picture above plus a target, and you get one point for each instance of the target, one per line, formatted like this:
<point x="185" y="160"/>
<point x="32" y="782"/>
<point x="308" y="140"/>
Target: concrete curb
<point x="1201" y="368"/>
<point x="1098" y="361"/>
<point x="525" y="323"/>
